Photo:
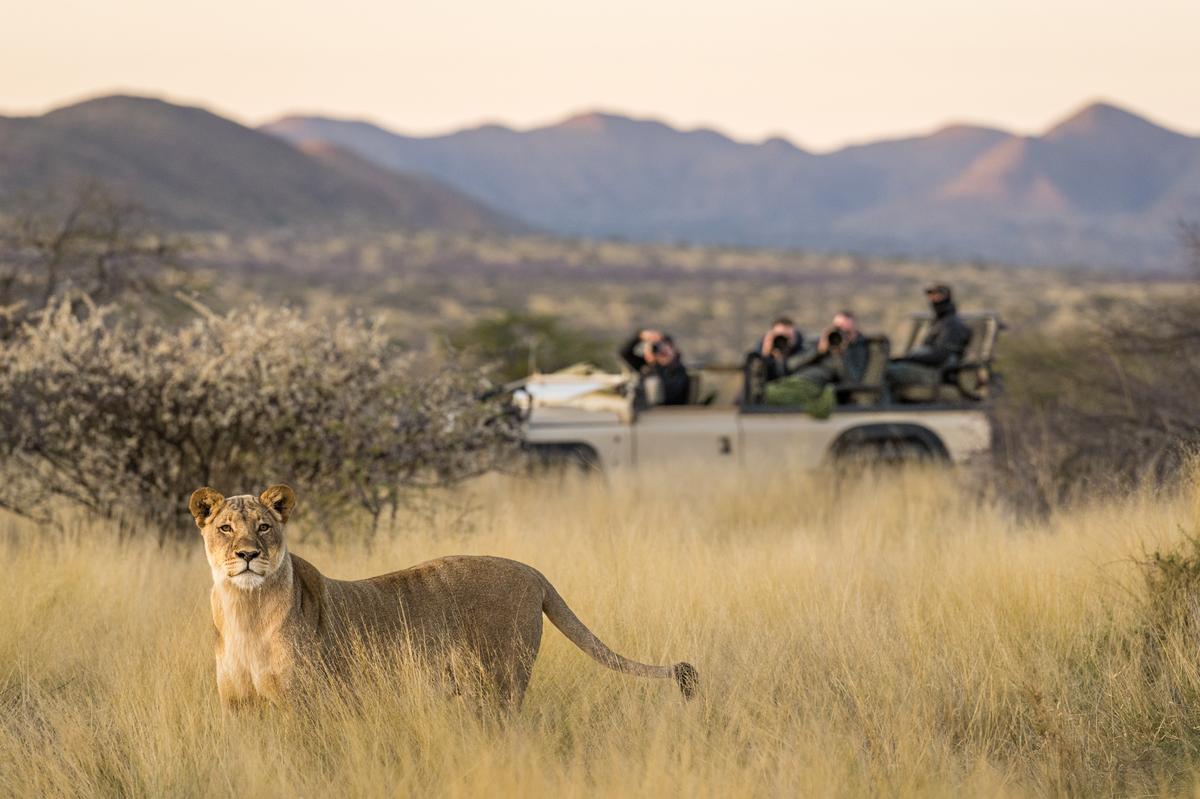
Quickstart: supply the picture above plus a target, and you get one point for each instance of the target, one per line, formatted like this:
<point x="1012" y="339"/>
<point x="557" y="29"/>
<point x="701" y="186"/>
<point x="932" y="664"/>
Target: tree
<point x="517" y="344"/>
<point x="1108" y="404"/>
<point x="95" y="246"/>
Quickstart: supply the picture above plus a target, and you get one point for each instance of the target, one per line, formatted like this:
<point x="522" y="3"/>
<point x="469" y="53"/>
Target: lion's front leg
<point x="276" y="677"/>
<point x="234" y="690"/>
<point x="273" y="687"/>
<point x="241" y="687"/>
<point x="268" y="689"/>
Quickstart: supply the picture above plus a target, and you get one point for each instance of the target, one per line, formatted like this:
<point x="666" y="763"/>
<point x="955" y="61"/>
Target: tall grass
<point x="893" y="635"/>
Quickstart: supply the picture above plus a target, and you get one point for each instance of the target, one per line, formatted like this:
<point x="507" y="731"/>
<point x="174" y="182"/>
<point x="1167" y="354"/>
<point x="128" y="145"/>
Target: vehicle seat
<point x="971" y="377"/>
<point x="699" y="392"/>
<point x="870" y="390"/>
<point x="754" y="382"/>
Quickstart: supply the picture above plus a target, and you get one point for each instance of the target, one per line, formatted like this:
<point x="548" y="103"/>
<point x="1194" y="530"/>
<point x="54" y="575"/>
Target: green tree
<point x="516" y="344"/>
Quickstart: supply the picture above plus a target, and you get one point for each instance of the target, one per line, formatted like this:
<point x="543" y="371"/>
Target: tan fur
<point x="275" y="610"/>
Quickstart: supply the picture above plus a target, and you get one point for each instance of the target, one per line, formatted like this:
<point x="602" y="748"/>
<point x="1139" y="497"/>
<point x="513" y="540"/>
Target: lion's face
<point x="243" y="536"/>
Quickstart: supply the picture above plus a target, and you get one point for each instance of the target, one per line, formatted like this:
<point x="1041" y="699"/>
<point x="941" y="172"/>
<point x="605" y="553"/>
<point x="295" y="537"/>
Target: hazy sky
<point x="821" y="73"/>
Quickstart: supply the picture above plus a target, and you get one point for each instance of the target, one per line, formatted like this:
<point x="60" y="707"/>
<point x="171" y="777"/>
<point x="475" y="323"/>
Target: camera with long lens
<point x="781" y="343"/>
<point x="656" y="347"/>
<point x="835" y="338"/>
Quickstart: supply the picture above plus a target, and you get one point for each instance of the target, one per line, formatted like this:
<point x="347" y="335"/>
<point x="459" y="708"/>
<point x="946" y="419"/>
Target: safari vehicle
<point x="608" y="421"/>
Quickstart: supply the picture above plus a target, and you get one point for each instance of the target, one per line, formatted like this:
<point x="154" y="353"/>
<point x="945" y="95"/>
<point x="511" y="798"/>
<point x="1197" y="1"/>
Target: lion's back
<point x="484" y="598"/>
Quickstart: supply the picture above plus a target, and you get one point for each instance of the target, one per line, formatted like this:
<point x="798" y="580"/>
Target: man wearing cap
<point x="943" y="345"/>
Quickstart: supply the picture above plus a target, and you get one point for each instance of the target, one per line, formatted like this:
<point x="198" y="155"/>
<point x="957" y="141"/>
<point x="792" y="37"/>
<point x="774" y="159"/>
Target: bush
<point x="1173" y="591"/>
<point x="1105" y="406"/>
<point x="126" y="417"/>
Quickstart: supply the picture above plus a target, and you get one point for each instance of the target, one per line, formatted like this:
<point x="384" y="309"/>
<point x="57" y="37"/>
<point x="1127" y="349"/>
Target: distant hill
<point x="1103" y="187"/>
<point x="196" y="170"/>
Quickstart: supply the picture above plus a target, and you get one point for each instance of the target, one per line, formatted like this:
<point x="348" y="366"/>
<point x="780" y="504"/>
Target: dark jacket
<point x="945" y="341"/>
<point x="773" y="367"/>
<point x="673" y="376"/>
<point x="846" y="365"/>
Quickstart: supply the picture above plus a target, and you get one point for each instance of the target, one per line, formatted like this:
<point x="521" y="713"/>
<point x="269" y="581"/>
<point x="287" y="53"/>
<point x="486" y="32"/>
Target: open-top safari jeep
<point x="610" y="420"/>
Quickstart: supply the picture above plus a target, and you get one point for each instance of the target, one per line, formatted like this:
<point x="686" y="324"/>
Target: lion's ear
<point x="202" y="503"/>
<point x="279" y="498"/>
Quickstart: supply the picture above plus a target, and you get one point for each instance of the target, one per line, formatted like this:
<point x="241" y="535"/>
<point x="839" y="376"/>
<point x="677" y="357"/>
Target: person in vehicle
<point x="652" y="353"/>
<point x="841" y="354"/>
<point x="943" y="345"/>
<point x="777" y="354"/>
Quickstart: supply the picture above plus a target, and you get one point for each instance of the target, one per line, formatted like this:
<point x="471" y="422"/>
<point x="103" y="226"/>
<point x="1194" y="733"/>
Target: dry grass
<point x="892" y="637"/>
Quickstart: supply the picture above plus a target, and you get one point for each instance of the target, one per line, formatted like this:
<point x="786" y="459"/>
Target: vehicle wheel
<point x="888" y="453"/>
<point x="563" y="459"/>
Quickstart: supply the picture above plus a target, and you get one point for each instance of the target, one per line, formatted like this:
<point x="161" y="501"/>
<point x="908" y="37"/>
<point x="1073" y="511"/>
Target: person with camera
<point x="943" y="345"/>
<point x="778" y="349"/>
<point x="772" y="358"/>
<point x="841" y="354"/>
<point x="652" y="353"/>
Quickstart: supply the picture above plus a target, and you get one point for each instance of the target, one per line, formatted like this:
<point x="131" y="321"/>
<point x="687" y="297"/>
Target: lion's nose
<point x="247" y="554"/>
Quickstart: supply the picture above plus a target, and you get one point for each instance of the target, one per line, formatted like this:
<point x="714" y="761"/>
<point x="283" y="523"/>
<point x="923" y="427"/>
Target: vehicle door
<point x="784" y="438"/>
<point x="671" y="435"/>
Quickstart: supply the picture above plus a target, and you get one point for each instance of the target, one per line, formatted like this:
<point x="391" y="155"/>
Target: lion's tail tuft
<point x="688" y="678"/>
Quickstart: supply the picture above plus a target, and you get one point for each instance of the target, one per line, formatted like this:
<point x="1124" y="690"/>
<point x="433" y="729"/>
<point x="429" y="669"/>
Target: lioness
<point x="273" y="609"/>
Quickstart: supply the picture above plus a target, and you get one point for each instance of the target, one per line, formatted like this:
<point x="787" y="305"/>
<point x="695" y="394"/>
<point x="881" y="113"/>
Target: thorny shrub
<point x="1106" y="405"/>
<point x="1172" y="604"/>
<point x="127" y="418"/>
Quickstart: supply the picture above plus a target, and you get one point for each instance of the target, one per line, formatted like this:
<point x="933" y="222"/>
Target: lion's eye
<point x="262" y="528"/>
<point x="225" y="528"/>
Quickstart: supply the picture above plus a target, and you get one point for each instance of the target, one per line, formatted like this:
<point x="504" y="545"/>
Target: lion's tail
<point x="568" y="623"/>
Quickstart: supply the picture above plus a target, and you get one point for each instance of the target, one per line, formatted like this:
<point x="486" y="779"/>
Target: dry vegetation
<point x="715" y="301"/>
<point x="122" y="417"/>
<point x="905" y="634"/>
<point x="895" y="636"/>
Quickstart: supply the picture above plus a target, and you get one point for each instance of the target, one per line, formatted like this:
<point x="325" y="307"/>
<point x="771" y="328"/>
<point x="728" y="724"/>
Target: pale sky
<point x="822" y="74"/>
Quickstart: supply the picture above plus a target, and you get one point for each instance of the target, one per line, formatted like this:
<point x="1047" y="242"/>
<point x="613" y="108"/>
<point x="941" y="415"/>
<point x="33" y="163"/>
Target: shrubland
<point x="715" y="301"/>
<point x="1101" y="406"/>
<point x="1025" y="628"/>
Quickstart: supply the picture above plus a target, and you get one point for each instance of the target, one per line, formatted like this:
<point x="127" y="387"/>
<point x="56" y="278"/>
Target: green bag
<point x="793" y="391"/>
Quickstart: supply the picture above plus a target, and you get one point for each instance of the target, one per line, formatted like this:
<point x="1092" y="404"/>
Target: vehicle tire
<point x="888" y="444"/>
<point x="563" y="459"/>
<point x="888" y="453"/>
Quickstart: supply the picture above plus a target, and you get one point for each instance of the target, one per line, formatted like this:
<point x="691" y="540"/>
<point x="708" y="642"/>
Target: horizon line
<point x="566" y="117"/>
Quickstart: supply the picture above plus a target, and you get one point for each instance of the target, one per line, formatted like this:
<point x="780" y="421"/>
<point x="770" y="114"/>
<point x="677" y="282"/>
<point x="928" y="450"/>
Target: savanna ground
<point x="1028" y="629"/>
<point x="899" y="634"/>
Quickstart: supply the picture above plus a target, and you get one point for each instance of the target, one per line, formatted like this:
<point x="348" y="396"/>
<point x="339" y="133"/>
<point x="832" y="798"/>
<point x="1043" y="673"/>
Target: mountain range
<point x="193" y="169"/>
<point x="1102" y="187"/>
